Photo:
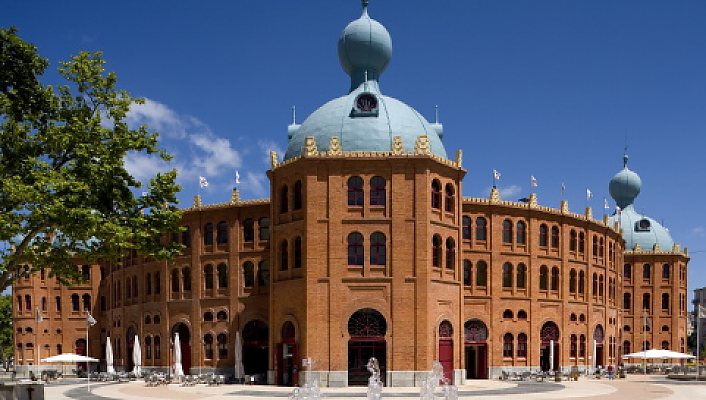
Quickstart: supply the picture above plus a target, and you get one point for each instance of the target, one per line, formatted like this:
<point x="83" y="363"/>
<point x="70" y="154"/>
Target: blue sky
<point x="553" y="89"/>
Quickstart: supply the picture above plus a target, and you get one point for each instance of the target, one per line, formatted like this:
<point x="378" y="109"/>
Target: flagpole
<point x="88" y="368"/>
<point x="698" y="328"/>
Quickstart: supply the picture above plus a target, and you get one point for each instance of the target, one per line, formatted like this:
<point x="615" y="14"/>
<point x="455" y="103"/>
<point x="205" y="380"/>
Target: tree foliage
<point x="6" y="342"/>
<point x="65" y="194"/>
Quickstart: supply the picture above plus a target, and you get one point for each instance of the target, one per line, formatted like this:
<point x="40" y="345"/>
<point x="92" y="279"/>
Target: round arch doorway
<point x="256" y="348"/>
<point x="549" y="358"/>
<point x="185" y="346"/>
<point x="475" y="336"/>
<point x="367" y="329"/>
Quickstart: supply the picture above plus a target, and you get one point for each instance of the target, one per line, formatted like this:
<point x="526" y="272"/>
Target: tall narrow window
<point x="208" y="276"/>
<point x="450" y="198"/>
<point x="248" y="274"/>
<point x="481" y="229"/>
<point x="436" y="251"/>
<point x="594" y="242"/>
<point x="543" y="278"/>
<point x="157" y="284"/>
<point x="450" y="253"/>
<point x="208" y="346"/>
<point x="86" y="302"/>
<point x="582" y="346"/>
<point x="298" y="252"/>
<point x="75" y="303"/>
<point x="175" y="280"/>
<point x="355" y="249"/>
<point x="378" y="253"/>
<point x="263" y="273"/>
<point x="378" y="194"/>
<point x="481" y="274"/>
<point x="647" y="272"/>
<point x="646" y="304"/>
<point x="148" y="284"/>
<point x="543" y="236"/>
<point x="582" y="282"/>
<point x="222" y="276"/>
<point x="222" y="237"/>
<point x="85" y="272"/>
<point x="594" y="288"/>
<point x="148" y="347"/>
<point x="466" y="228"/>
<point x="44" y="303"/>
<point x="436" y="194"/>
<point x="208" y="234"/>
<point x="248" y="230"/>
<point x="555" y="237"/>
<point x="186" y="237"/>
<point x="573" y="239"/>
<point x="572" y="281"/>
<point x="555" y="278"/>
<point x="666" y="271"/>
<point x="522" y="345"/>
<point x="573" y="350"/>
<point x="665" y="302"/>
<point x="507" y="275"/>
<point x="582" y="242"/>
<point x="601" y="285"/>
<point x="355" y="191"/>
<point x="508" y="345"/>
<point x="467" y="273"/>
<point x="507" y="231"/>
<point x="627" y="271"/>
<point x="186" y="277"/>
<point x="627" y="303"/>
<point x="222" y="345"/>
<point x="283" y="256"/>
<point x="297" y="195"/>
<point x="521" y="280"/>
<point x="284" y="199"/>
<point x="157" y="348"/>
<point x="264" y="227"/>
<point x="521" y="232"/>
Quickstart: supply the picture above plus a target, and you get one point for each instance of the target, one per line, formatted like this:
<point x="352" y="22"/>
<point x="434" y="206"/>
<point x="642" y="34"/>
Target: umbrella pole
<point x="88" y="368"/>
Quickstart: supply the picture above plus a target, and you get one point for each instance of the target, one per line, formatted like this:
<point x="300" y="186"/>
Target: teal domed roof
<point x="365" y="119"/>
<point x="637" y="229"/>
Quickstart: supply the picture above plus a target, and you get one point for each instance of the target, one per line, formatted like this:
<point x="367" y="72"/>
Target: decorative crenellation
<point x="397" y="148"/>
<point x="459" y="158"/>
<point x="564" y="207"/>
<point x="334" y="148"/>
<point x="310" y="148"/>
<point x="273" y="159"/>
<point x="589" y="213"/>
<point x="421" y="146"/>
<point x="197" y="201"/>
<point x="229" y="204"/>
<point x="234" y="196"/>
<point x="532" y="203"/>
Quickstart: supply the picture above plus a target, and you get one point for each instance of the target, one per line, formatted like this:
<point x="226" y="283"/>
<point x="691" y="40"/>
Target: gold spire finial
<point x="197" y="200"/>
<point x="234" y="196"/>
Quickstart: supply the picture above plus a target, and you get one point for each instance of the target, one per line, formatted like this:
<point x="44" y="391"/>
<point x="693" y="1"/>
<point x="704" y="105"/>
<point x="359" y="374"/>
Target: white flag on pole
<point x="90" y="321"/>
<point x="203" y="182"/>
<point x="533" y="181"/>
<point x="589" y="194"/>
<point x="496" y="175"/>
<point x="237" y="177"/>
<point x="605" y="204"/>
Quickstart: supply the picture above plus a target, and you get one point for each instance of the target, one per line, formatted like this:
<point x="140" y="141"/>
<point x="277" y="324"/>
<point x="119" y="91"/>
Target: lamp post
<point x="90" y="321"/>
<point x="38" y="318"/>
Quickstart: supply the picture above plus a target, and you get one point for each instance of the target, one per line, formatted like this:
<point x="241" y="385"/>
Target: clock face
<point x="366" y="103"/>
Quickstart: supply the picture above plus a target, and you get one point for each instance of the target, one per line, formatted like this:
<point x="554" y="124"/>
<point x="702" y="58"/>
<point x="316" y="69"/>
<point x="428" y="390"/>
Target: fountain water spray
<point x="374" y="382"/>
<point x="435" y="379"/>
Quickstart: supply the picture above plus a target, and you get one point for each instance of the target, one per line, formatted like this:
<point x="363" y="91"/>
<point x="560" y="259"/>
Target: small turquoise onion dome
<point x="364" y="48"/>
<point x="625" y="185"/>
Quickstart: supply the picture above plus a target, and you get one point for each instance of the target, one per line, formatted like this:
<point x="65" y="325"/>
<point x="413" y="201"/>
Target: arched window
<point x="222" y="345"/>
<point x="522" y="345"/>
<point x="507" y="275"/>
<point x="582" y="346"/>
<point x="378" y="250"/>
<point x="507" y="345"/>
<point x="264" y="228"/>
<point x="208" y="276"/>
<point x="572" y="281"/>
<point x="665" y="328"/>
<point x="175" y="280"/>
<point x="157" y="348"/>
<point x="208" y="346"/>
<point x="75" y="303"/>
<point x="86" y="302"/>
<point x="627" y="271"/>
<point x="148" y="347"/>
<point x="128" y="288"/>
<point x="222" y="276"/>
<point x="467" y="273"/>
<point x="543" y="235"/>
<point x="665" y="302"/>
<point x="521" y="232"/>
<point x="208" y="316"/>
<point x="356" y="196"/>
<point x="594" y="242"/>
<point x="222" y="228"/>
<point x="186" y="237"/>
<point x="582" y="282"/>
<point x="626" y="347"/>
<point x="481" y="229"/>
<point x="284" y="199"/>
<point x="521" y="280"/>
<point x="582" y="242"/>
<point x="148" y="319"/>
<point x="507" y="231"/>
<point x="378" y="194"/>
<point x="283" y="256"/>
<point x="263" y="273"/>
<point x="555" y="278"/>
<point x="572" y="317"/>
<point x="647" y="272"/>
<point x="208" y="234"/>
<point x="436" y="194"/>
<point x="646" y="301"/>
<point x="572" y="240"/>
<point x="85" y="272"/>
<point x="297" y="195"/>
<point x="186" y="276"/>
<point x="222" y="316"/>
<point x="298" y="252"/>
<point x="626" y="328"/>
<point x="522" y="315"/>
<point x="450" y="253"/>
<point x="450" y="199"/>
<point x="481" y="274"/>
<point x="44" y="303"/>
<point x="356" y="252"/>
<point x="248" y="274"/>
<point x="573" y="350"/>
<point x="148" y="284"/>
<point x="627" y="301"/>
<point x="543" y="278"/>
<point x="594" y="287"/>
<point x="466" y="228"/>
<point x="555" y="237"/>
<point x="157" y="284"/>
<point x="248" y="230"/>
<point x="601" y="285"/>
<point x="57" y="300"/>
<point x="666" y="271"/>
<point x="436" y="251"/>
<point x="507" y="314"/>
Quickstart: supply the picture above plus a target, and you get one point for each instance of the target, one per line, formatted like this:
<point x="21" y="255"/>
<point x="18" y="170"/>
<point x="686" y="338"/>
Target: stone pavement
<point x="634" y="387"/>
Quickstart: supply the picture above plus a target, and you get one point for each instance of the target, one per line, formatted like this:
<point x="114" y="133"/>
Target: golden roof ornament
<point x="589" y="213"/>
<point x="459" y="158"/>
<point x="273" y="159"/>
<point x="564" y="206"/>
<point x="532" y="200"/>
<point x="422" y="145"/>
<point x="494" y="195"/>
<point x="334" y="148"/>
<point x="397" y="148"/>
<point x="310" y="149"/>
<point x="197" y="200"/>
<point x="234" y="196"/>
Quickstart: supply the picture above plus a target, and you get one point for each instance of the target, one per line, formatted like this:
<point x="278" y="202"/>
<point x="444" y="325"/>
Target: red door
<point x="446" y="354"/>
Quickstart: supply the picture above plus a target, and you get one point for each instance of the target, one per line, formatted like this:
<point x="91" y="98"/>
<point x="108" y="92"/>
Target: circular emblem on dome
<point x="366" y="105"/>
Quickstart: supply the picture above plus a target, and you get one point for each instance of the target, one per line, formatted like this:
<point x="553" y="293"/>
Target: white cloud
<point x="144" y="166"/>
<point x="267" y="147"/>
<point x="217" y="155"/>
<point x="257" y="184"/>
<point x="699" y="231"/>
<point x="509" y="191"/>
<point x="161" y="118"/>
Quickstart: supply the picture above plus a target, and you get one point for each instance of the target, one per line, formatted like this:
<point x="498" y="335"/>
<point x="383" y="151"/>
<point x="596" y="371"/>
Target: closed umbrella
<point x="109" y="357"/>
<point x="137" y="357"/>
<point x="178" y="370"/>
<point x="239" y="373"/>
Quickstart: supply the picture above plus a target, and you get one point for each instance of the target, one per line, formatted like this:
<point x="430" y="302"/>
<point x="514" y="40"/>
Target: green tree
<point x="6" y="342"/>
<point x="65" y="194"/>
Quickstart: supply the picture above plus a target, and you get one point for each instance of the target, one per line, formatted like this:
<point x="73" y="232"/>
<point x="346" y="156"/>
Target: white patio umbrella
<point x="551" y="355"/>
<point x="178" y="370"/>
<point x="239" y="369"/>
<point x="658" y="353"/>
<point x="68" y="358"/>
<point x="137" y="358"/>
<point x="109" y="357"/>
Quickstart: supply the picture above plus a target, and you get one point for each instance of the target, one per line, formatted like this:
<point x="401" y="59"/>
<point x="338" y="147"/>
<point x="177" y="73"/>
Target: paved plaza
<point x="634" y="387"/>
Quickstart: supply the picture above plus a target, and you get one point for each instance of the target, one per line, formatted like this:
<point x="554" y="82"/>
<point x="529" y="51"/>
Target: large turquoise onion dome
<point x="637" y="229"/>
<point x="365" y="120"/>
